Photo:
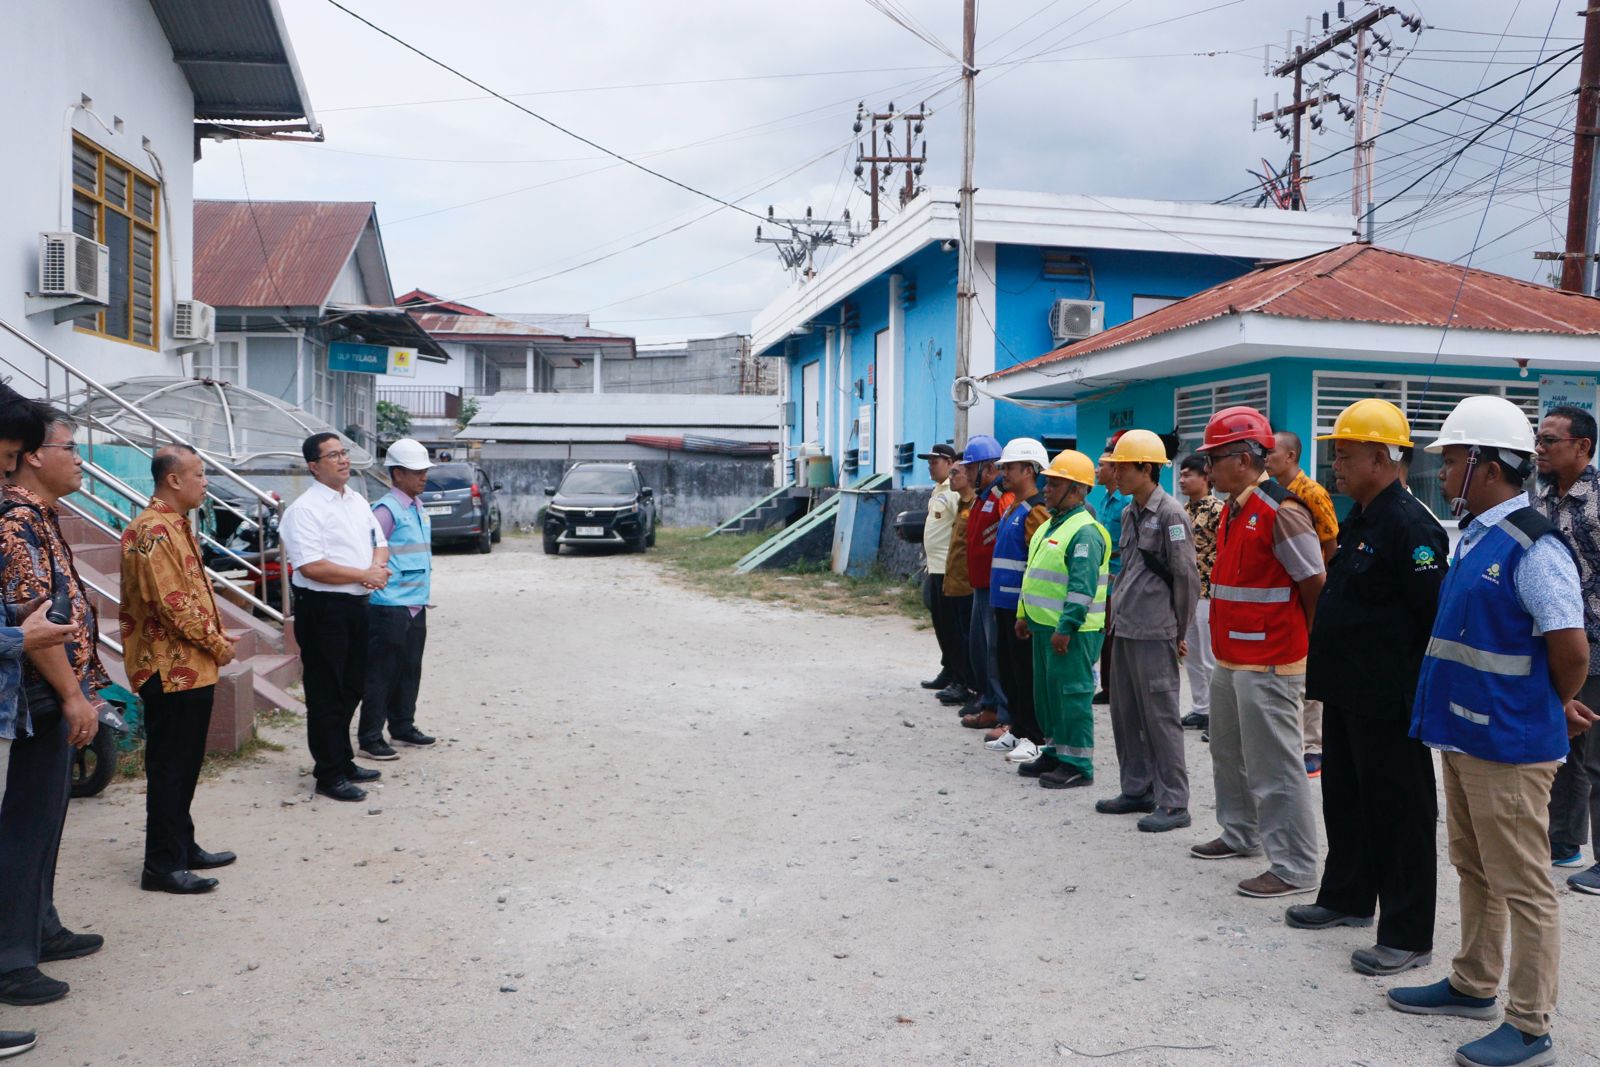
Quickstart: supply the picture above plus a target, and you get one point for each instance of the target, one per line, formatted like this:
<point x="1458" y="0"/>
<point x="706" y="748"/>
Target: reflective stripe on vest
<point x="1248" y="594"/>
<point x="1044" y="586"/>
<point x="410" y="557"/>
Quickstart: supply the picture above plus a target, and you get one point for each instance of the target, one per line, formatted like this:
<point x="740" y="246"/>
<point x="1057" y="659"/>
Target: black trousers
<point x="1575" y="794"/>
<point x="38" y="786"/>
<point x="947" y="630"/>
<point x="1380" y="809"/>
<point x="1015" y="657"/>
<point x="175" y="727"/>
<point x="395" y="641"/>
<point x="331" y="630"/>
<point x="958" y="610"/>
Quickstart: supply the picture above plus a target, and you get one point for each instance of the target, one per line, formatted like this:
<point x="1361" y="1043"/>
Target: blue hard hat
<point x="981" y="448"/>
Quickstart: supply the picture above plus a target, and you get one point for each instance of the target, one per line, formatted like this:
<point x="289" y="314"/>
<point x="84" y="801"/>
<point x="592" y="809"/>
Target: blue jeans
<point x="984" y="642"/>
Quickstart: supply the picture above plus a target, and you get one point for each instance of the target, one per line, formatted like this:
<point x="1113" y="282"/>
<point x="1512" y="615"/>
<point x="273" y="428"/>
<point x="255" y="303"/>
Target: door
<point x="810" y="401"/>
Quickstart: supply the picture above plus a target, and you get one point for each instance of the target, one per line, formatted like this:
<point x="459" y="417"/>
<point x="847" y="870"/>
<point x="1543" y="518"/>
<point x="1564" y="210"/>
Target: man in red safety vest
<point x="1264" y="589"/>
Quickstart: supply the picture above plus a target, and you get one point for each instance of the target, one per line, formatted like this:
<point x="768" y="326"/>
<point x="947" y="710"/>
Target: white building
<point x="108" y="105"/>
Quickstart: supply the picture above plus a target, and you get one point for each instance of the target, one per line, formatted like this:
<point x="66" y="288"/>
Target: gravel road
<point x="664" y="828"/>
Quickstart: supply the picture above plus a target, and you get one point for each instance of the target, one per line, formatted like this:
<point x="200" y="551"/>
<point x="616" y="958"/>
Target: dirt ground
<point x="664" y="828"/>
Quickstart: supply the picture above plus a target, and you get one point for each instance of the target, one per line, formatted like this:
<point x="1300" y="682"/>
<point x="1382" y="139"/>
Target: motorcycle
<point x="95" y="764"/>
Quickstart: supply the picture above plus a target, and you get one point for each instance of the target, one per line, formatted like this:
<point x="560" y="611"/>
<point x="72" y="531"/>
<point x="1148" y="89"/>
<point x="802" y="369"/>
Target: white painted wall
<point x="52" y="54"/>
<point x="980" y="359"/>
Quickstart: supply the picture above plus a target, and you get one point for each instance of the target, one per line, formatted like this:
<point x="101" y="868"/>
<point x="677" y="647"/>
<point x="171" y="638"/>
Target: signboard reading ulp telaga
<point x="353" y="358"/>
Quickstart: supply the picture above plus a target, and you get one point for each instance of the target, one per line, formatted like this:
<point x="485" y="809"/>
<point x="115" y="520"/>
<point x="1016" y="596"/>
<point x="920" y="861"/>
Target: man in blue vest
<point x="1496" y="698"/>
<point x="397" y="614"/>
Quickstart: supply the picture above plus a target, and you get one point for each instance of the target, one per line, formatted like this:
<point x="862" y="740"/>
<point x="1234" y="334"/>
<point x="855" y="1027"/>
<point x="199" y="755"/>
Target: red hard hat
<point x="1237" y="424"/>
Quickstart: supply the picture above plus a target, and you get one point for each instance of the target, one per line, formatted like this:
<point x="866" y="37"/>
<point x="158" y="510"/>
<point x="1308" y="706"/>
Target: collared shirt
<point x="386" y="522"/>
<point x="943" y="504"/>
<point x="1204" y="514"/>
<point x="1109" y="514"/>
<point x="1295" y="544"/>
<point x="169" y="619"/>
<point x="1319" y="503"/>
<point x="11" y="716"/>
<point x="1547" y="579"/>
<point x="1376" y="613"/>
<point x="339" y="527"/>
<point x="1147" y="607"/>
<point x="1577" y="514"/>
<point x="35" y="561"/>
<point x="956" y="581"/>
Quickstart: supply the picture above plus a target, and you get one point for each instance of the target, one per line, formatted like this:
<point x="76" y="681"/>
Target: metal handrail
<point x="100" y="635"/>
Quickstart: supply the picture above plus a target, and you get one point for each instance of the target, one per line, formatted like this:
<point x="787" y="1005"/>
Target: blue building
<point x="1301" y="340"/>
<point x="868" y="343"/>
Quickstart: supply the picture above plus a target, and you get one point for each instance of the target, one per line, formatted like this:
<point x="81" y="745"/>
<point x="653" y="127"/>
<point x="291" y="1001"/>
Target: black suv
<point x="460" y="501"/>
<point x="600" y="504"/>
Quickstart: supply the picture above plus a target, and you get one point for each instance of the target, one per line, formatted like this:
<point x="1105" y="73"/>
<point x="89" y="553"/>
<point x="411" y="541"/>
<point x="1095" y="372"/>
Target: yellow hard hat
<point x="1139" y="446"/>
<point x="1072" y="465"/>
<point x="1373" y="420"/>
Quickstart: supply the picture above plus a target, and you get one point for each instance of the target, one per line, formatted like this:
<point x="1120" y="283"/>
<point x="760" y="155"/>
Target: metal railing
<point x="74" y="383"/>
<point x="430" y="401"/>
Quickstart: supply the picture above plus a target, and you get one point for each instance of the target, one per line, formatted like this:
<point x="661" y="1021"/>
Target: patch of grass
<point x="707" y="563"/>
<point x="131" y="764"/>
<point x="279" y="719"/>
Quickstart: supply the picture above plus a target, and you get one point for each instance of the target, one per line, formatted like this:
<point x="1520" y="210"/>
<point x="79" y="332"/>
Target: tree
<point x="394" y="421"/>
<point x="469" y="408"/>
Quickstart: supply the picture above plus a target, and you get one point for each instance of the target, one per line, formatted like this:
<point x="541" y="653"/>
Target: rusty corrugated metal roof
<point x="1361" y="283"/>
<point x="306" y="242"/>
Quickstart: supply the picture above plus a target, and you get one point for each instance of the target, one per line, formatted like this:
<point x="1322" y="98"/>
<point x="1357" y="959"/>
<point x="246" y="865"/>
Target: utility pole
<point x="912" y="163"/>
<point x="801" y="238"/>
<point x="969" y="128"/>
<point x="1577" y="263"/>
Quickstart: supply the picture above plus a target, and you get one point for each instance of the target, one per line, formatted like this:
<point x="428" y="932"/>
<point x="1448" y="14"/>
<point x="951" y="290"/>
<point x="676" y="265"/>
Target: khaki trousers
<point x="1311" y="726"/>
<point x="1497" y="820"/>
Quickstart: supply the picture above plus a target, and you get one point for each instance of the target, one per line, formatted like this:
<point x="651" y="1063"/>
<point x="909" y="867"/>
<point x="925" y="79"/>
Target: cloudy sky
<point x="752" y="100"/>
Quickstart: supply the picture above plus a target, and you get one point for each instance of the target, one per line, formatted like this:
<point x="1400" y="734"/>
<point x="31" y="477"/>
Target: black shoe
<point x="1163" y="819"/>
<point x="937" y="683"/>
<point x="342" y="789"/>
<point x="1101" y="697"/>
<point x="1064" y="777"/>
<point x="28" y="985"/>
<point x="1035" y="767"/>
<point x="379" y="749"/>
<point x="201" y="860"/>
<point x="15" y="1042"/>
<point x="179" y="882"/>
<point x="411" y="736"/>
<point x="954" y="693"/>
<point x="1122" y="804"/>
<point x="353" y="773"/>
<point x="972" y="707"/>
<point x="1196" y="720"/>
<point x="69" y="946"/>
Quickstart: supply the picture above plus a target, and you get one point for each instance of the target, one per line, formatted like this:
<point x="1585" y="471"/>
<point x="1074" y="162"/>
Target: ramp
<point x="811" y="537"/>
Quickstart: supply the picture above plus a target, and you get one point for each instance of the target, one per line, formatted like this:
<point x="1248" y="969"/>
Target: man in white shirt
<point x="943" y="504"/>
<point x="339" y="555"/>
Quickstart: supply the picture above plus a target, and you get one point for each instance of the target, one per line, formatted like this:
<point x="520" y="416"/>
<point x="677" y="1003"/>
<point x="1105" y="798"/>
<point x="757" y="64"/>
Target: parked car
<point x="460" y="501"/>
<point x="600" y="504"/>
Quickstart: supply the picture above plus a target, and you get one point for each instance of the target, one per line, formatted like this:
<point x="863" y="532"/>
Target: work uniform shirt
<point x="1377" y="609"/>
<point x="1577" y="516"/>
<point x="1319" y="503"/>
<point x="956" y="581"/>
<point x="1147" y="607"/>
<point x="1547" y="581"/>
<point x="943" y="505"/>
<point x="1109" y="513"/>
<point x="1084" y="553"/>
<point x="1204" y="514"/>
<point x="336" y="526"/>
<point x="386" y="523"/>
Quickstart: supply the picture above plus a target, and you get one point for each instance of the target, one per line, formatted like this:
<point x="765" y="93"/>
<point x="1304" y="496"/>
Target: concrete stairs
<point x="807" y="539"/>
<point x="257" y="681"/>
<point x="774" y="509"/>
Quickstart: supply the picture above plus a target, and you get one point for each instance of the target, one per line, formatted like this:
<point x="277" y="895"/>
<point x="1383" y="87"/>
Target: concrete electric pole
<point x="1577" y="262"/>
<point x="911" y="163"/>
<point x="964" y="293"/>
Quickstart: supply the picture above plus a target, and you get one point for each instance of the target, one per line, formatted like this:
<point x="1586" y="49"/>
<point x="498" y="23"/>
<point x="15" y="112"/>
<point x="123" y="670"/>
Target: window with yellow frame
<point x="121" y="208"/>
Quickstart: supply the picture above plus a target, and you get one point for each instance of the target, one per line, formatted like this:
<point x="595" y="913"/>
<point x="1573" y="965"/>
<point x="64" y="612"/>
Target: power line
<point x="548" y="122"/>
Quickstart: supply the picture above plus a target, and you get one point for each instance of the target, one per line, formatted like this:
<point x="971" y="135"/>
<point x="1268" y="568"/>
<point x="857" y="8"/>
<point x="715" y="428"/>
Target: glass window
<point x="598" y="483"/>
<point x="447" y="476"/>
<point x="121" y="208"/>
<point x="220" y="362"/>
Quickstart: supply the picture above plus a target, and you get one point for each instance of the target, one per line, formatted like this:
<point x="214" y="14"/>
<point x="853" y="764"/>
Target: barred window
<point x="121" y="208"/>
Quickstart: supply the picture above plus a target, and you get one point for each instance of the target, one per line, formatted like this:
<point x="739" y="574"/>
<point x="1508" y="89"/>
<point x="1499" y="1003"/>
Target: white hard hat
<point x="407" y="453"/>
<point x="1025" y="450"/>
<point x="1487" y="421"/>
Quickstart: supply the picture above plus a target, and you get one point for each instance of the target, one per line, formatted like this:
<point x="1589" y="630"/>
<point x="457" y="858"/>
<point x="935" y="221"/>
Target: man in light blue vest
<point x="397" y="614"/>
<point x="1496" y="699"/>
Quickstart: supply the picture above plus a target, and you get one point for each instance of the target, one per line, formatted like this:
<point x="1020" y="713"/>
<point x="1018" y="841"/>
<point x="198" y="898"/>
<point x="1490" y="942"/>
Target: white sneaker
<point x="1024" y="752"/>
<point x="1004" y="743"/>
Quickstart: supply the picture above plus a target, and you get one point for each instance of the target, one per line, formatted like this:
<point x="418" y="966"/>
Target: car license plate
<point x="591" y="531"/>
<point x="440" y="509"/>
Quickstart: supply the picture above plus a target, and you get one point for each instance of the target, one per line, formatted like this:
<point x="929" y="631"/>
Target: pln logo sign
<point x="403" y="362"/>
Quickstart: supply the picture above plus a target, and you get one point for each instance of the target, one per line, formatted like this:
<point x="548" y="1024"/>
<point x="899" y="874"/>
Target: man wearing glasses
<point x="1569" y="496"/>
<point x="339" y="556"/>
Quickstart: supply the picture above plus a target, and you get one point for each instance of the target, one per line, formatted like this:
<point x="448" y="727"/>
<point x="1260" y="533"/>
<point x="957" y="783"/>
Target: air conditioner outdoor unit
<point x="73" y="265"/>
<point x="1073" y="320"/>
<point x="194" y="321"/>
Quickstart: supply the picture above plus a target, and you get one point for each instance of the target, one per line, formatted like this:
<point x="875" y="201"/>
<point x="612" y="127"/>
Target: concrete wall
<point x="902" y="558"/>
<point x="690" y="490"/>
<point x="703" y="365"/>
<point x="114" y="52"/>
